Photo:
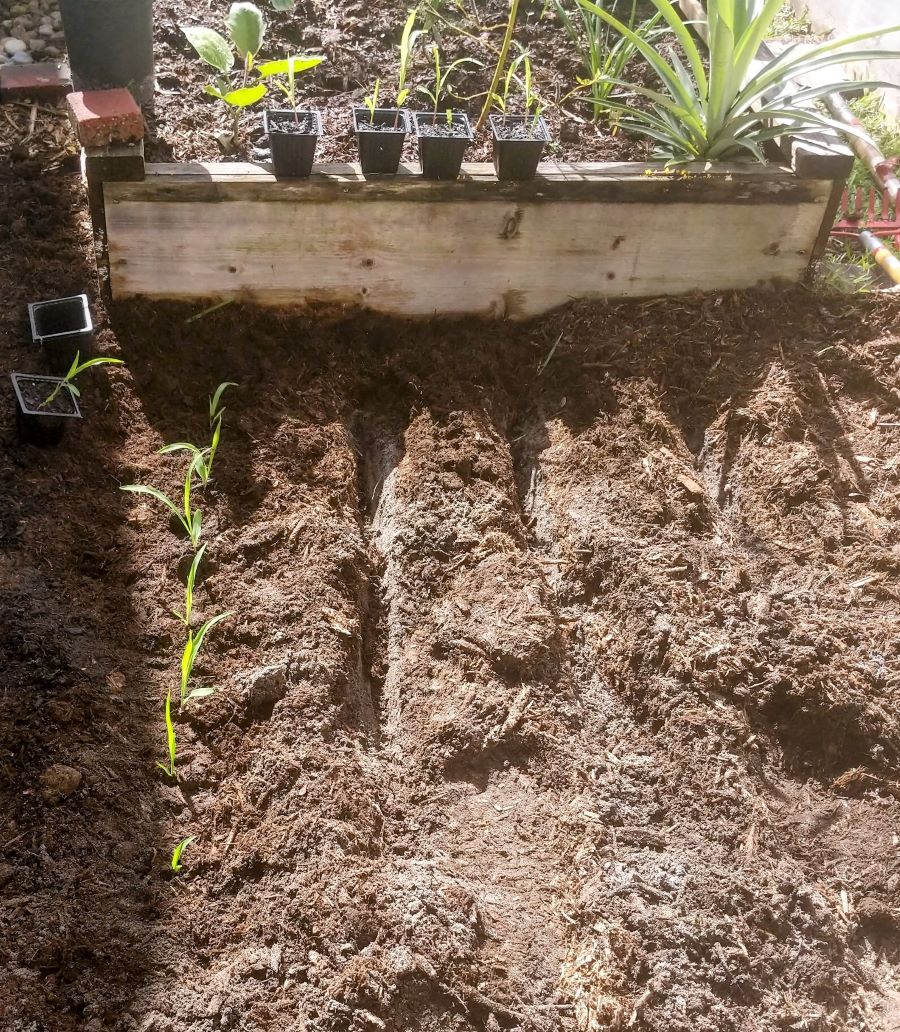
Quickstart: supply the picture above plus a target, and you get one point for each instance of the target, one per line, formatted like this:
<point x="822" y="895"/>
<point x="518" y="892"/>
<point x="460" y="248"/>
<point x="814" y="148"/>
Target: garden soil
<point x="559" y="689"/>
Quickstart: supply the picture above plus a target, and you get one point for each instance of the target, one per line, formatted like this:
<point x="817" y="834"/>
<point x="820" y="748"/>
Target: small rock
<point x="37" y="45"/>
<point x="23" y="57"/>
<point x="267" y="686"/>
<point x="45" y="30"/>
<point x="13" y="46"/>
<point x="59" y="782"/>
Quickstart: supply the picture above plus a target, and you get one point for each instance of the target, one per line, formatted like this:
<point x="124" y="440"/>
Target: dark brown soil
<point x="561" y="686"/>
<point x="360" y="42"/>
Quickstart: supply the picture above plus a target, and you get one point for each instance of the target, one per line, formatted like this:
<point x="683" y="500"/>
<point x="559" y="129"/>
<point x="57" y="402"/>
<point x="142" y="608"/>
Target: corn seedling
<point x="408" y="40"/>
<point x="169" y="768"/>
<point x="190" y="519"/>
<point x="532" y="105"/>
<point x="178" y="853"/>
<point x="203" y="458"/>
<point x="441" y="77"/>
<point x="189" y="657"/>
<point x="724" y="106"/>
<point x="371" y="101"/>
<point x="246" y="28"/>
<point x="75" y="369"/>
<point x="289" y="69"/>
<point x="185" y="617"/>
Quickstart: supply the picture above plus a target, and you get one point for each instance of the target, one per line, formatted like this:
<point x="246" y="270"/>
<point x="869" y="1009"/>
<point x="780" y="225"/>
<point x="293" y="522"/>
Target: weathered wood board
<point x="405" y="246"/>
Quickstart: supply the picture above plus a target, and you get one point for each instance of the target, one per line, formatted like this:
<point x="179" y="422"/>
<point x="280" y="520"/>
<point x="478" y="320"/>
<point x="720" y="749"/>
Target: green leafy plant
<point x="604" y="54"/>
<point x="408" y="39"/>
<point x="289" y="68"/>
<point x="171" y="744"/>
<point x="189" y="518"/>
<point x="724" y="106"/>
<point x="191" y="650"/>
<point x="441" y="77"/>
<point x="246" y="28"/>
<point x="76" y="369"/>
<point x="178" y="852"/>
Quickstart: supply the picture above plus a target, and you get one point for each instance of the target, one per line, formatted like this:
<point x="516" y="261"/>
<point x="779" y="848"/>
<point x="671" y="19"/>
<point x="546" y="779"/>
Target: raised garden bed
<point x="403" y="245"/>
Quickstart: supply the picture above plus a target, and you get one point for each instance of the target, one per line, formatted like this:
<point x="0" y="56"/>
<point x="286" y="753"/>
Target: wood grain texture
<point x="404" y="246"/>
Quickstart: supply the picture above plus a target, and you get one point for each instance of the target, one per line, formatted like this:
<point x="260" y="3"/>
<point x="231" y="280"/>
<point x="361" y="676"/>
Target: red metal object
<point x="874" y="209"/>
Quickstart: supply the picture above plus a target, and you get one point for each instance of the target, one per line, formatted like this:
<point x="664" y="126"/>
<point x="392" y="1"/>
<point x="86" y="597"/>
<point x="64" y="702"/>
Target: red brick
<point x="46" y="80"/>
<point x="102" y="117"/>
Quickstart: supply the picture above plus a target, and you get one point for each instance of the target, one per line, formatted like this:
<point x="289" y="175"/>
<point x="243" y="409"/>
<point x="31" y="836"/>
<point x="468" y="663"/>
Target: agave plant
<point x="727" y="105"/>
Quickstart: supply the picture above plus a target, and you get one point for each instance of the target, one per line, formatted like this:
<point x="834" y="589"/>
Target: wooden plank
<point x="521" y="250"/>
<point x="618" y="183"/>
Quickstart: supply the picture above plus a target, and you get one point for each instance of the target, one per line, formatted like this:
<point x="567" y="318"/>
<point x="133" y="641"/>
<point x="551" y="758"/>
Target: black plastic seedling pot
<point x="64" y="328"/>
<point x="292" y="138"/>
<point x="518" y="144"/>
<point x="380" y="136"/>
<point x="442" y="144"/>
<point x="42" y="426"/>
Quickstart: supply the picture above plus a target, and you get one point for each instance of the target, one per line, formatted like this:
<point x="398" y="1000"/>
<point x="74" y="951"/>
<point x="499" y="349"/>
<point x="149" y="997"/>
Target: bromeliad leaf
<point x="246" y="28"/>
<point x="210" y="46"/>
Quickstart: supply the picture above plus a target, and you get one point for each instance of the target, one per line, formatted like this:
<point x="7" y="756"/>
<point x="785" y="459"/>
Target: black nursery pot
<point x="292" y="138"/>
<point x="442" y="146"/>
<point x="380" y="137"/>
<point x="64" y="328"/>
<point x="42" y="426"/>
<point x="518" y="145"/>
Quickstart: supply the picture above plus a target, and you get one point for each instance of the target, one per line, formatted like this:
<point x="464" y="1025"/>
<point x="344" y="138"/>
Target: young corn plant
<point x="246" y="28"/>
<point x="203" y="458"/>
<point x="190" y="519"/>
<point x="500" y="65"/>
<point x="408" y="39"/>
<point x="438" y="89"/>
<point x="75" y="369"/>
<point x="178" y="852"/>
<point x="171" y="743"/>
<point x="192" y="648"/>
<point x="370" y="102"/>
<point x="185" y="617"/>
<point x="721" y="105"/>
<point x="532" y="105"/>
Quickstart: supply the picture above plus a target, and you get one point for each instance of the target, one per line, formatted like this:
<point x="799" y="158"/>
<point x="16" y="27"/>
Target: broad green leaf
<point x="245" y="96"/>
<point x="300" y="64"/>
<point x="214" y="92"/>
<point x="210" y="46"/>
<point x="246" y="28"/>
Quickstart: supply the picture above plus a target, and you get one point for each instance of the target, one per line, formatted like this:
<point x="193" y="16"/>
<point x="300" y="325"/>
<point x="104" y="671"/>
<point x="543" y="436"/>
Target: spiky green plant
<point x="185" y="617"/>
<point x="720" y="105"/>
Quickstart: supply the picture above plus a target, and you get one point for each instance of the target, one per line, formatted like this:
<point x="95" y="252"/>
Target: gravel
<point x="30" y="30"/>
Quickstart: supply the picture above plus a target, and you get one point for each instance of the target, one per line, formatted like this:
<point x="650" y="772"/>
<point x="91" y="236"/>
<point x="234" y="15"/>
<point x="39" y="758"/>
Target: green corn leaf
<point x="171" y="743"/>
<point x="210" y="46"/>
<point x="246" y="28"/>
<point x="216" y="399"/>
<point x="153" y="492"/>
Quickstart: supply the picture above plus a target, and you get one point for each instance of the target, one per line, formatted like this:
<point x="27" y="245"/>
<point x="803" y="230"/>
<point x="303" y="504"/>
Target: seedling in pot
<point x="189" y="657"/>
<point x="178" y="852"/>
<point x="246" y="28"/>
<point x="518" y="139"/>
<point x="442" y="139"/>
<point x="171" y="743"/>
<point x="293" y="134"/>
<point x="189" y="519"/>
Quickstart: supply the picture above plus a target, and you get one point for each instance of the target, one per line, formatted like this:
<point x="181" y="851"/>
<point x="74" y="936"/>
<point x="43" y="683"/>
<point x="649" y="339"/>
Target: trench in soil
<point x="548" y="700"/>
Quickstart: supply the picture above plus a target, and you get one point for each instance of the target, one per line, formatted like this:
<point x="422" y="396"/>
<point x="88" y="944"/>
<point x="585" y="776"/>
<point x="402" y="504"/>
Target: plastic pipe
<point x="881" y="253"/>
